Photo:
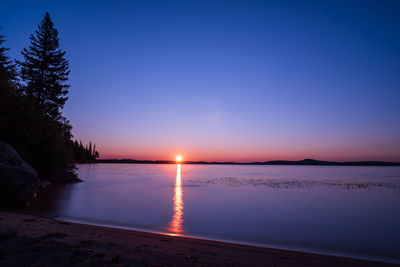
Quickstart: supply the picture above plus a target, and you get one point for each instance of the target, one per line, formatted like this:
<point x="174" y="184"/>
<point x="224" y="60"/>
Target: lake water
<point x="353" y="211"/>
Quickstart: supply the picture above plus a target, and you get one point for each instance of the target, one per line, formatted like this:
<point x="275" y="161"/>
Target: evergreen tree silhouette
<point x="8" y="74"/>
<point x="45" y="70"/>
<point x="90" y="148"/>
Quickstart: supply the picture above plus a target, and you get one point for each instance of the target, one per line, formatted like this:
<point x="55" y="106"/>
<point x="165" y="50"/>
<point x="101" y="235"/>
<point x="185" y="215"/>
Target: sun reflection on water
<point x="175" y="225"/>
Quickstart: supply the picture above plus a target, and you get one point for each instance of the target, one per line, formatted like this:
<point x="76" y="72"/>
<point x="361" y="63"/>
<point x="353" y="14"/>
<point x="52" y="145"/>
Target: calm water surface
<point x="338" y="210"/>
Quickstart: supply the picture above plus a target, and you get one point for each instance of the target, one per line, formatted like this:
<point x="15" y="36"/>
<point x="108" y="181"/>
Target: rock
<point x="59" y="175"/>
<point x="18" y="181"/>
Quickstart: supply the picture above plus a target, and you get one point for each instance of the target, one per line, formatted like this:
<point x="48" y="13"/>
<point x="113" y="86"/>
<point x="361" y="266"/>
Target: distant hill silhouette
<point x="273" y="162"/>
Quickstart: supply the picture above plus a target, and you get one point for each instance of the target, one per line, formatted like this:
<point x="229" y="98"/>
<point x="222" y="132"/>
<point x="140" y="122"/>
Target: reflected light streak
<point x="175" y="225"/>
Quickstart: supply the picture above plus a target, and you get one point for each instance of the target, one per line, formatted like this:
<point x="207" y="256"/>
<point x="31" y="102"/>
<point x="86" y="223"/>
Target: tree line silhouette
<point x="85" y="153"/>
<point x="33" y="92"/>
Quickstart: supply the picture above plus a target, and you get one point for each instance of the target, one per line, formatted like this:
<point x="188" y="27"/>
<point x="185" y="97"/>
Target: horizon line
<point x="269" y="162"/>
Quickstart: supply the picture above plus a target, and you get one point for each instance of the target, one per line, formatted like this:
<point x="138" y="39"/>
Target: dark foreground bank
<point x="26" y="240"/>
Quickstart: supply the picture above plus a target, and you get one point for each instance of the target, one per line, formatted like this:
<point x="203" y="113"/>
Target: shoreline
<point x="49" y="240"/>
<point x="298" y="249"/>
<point x="305" y="162"/>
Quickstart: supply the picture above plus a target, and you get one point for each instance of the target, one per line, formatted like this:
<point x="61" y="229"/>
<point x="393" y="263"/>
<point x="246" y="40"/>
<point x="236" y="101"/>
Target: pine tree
<point x="8" y="77"/>
<point x="45" y="70"/>
<point x="94" y="150"/>
<point x="90" y="148"/>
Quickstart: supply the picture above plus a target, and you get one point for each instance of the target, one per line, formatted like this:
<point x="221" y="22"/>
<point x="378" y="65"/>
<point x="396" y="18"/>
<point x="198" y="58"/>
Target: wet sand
<point x="27" y="240"/>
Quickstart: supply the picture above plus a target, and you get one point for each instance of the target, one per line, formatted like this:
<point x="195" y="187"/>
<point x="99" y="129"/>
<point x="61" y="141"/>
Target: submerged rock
<point x="18" y="181"/>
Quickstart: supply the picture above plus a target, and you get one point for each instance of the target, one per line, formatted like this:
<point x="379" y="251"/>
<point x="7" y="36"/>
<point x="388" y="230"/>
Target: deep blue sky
<point x="229" y="80"/>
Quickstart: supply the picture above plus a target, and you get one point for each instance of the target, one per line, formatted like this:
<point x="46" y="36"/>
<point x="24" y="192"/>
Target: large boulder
<point x="18" y="181"/>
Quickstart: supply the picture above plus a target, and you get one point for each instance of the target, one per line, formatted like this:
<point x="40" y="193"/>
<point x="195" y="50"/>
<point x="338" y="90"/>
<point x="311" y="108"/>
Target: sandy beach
<point x="27" y="240"/>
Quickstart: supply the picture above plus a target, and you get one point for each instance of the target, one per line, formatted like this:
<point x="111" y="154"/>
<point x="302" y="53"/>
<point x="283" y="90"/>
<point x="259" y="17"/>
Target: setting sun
<point x="179" y="158"/>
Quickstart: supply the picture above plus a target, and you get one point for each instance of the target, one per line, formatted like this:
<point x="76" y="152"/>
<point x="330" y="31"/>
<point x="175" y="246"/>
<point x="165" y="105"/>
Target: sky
<point x="227" y="80"/>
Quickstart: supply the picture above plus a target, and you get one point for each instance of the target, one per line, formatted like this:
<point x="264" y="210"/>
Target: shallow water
<point x="331" y="209"/>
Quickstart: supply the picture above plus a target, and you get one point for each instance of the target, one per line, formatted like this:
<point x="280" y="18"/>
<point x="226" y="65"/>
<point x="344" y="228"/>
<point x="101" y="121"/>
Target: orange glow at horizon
<point x="242" y="153"/>
<point x="177" y="218"/>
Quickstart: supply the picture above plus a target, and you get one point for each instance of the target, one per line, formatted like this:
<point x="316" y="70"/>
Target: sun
<point x="179" y="158"/>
